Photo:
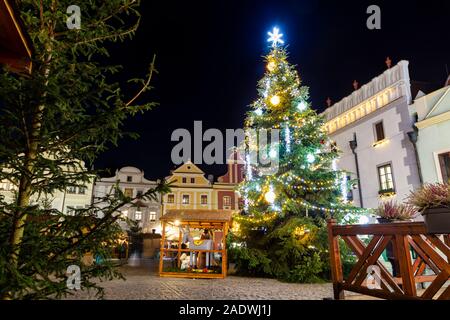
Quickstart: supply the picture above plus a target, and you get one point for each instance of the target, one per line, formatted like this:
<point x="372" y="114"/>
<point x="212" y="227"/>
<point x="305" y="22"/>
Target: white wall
<point x="369" y="157"/>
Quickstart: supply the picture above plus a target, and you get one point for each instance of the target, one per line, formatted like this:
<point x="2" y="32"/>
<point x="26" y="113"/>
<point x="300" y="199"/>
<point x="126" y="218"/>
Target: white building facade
<point x="132" y="183"/>
<point x="370" y="127"/>
<point x="433" y="134"/>
<point x="64" y="201"/>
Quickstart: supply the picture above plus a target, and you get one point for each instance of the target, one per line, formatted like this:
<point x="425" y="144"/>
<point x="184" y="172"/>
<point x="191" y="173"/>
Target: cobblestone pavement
<point x="143" y="282"/>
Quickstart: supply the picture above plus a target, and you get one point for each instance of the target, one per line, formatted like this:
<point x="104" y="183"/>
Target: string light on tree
<point x="310" y="158"/>
<point x="259" y="112"/>
<point x="302" y="106"/>
<point x="270" y="196"/>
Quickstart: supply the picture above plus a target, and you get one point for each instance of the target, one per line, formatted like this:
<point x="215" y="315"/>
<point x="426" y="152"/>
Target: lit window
<point x="227" y="201"/>
<point x="379" y="131"/>
<point x="204" y="199"/>
<point x="185" y="199"/>
<point x="444" y="163"/>
<point x="152" y="216"/>
<point x="386" y="178"/>
<point x="138" y="214"/>
<point x="128" y="192"/>
<point x="170" y="198"/>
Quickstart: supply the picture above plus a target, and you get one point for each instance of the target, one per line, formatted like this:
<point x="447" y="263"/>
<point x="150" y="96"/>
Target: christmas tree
<point x="282" y="231"/>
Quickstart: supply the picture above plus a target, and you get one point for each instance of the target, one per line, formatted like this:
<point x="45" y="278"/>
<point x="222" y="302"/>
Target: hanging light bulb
<point x="302" y="106"/>
<point x="270" y="196"/>
<point x="275" y="100"/>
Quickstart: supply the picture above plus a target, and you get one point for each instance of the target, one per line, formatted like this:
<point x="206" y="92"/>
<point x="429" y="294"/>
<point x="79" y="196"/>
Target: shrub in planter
<point x="433" y="202"/>
<point x="391" y="211"/>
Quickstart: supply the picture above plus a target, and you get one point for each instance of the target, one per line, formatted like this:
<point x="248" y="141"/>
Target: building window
<point x="227" y="201"/>
<point x="171" y="198"/>
<point x="128" y="192"/>
<point x="152" y="216"/>
<point x="184" y="180"/>
<point x="204" y="199"/>
<point x="138" y="214"/>
<point x="82" y="190"/>
<point x="192" y="180"/>
<point x="72" y="190"/>
<point x="386" y="179"/>
<point x="139" y="193"/>
<point x="379" y="131"/>
<point x="444" y="163"/>
<point x="129" y="179"/>
<point x="185" y="199"/>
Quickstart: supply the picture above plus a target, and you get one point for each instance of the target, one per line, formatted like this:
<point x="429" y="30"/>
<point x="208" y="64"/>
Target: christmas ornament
<point x="275" y="100"/>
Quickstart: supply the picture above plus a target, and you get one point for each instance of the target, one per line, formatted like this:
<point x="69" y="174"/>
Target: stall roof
<point x="15" y="47"/>
<point x="198" y="215"/>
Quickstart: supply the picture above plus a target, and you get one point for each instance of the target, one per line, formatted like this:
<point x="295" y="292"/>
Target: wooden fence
<point x="404" y="238"/>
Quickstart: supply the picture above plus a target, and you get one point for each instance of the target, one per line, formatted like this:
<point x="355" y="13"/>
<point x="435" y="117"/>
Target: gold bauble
<point x="275" y="100"/>
<point x="271" y="66"/>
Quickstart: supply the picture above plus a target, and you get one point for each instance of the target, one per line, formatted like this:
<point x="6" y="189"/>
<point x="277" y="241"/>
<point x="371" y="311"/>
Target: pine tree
<point x="282" y="232"/>
<point x="53" y="123"/>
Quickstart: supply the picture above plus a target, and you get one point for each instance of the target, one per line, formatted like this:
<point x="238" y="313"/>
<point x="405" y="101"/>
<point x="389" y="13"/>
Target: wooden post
<point x="404" y="261"/>
<point x="179" y="250"/>
<point x="161" y="249"/>
<point x="335" y="262"/>
<point x="224" y="249"/>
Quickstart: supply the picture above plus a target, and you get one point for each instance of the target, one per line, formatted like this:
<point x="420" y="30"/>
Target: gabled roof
<point x="15" y="46"/>
<point x="188" y="167"/>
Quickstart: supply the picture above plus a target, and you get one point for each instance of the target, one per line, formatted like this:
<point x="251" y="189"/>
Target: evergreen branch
<point x="146" y="84"/>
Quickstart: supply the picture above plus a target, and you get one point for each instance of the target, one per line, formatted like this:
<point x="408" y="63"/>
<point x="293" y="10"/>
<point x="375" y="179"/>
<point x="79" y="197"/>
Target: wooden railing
<point x="430" y="251"/>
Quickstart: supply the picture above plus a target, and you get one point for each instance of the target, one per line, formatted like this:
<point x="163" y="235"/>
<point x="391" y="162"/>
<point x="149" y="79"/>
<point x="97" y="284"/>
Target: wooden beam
<point x="335" y="260"/>
<point x="161" y="249"/>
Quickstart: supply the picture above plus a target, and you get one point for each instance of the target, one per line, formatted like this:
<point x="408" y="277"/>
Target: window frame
<point x="380" y="185"/>
<point x="129" y="178"/>
<point x="171" y="196"/>
<point x="202" y="196"/>
<point x="125" y="192"/>
<point x="225" y="203"/>
<point x="377" y="140"/>
<point x="188" y="197"/>
<point x="151" y="215"/>
<point x="183" y="180"/>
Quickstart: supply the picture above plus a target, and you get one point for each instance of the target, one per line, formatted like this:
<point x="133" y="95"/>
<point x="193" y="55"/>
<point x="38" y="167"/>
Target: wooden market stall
<point x="183" y="255"/>
<point x="15" y="45"/>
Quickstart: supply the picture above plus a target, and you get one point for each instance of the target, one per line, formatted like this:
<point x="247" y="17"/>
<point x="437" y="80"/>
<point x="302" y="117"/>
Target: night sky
<point x="209" y="58"/>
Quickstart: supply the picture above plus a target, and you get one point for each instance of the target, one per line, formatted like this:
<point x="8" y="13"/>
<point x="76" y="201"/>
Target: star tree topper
<point x="275" y="37"/>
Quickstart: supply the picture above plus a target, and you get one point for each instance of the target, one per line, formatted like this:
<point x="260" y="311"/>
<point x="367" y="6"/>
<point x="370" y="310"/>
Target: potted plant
<point x="433" y="202"/>
<point x="391" y="211"/>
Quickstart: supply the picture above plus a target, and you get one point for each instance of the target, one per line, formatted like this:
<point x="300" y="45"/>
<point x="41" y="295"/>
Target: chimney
<point x="328" y="101"/>
<point x="355" y="85"/>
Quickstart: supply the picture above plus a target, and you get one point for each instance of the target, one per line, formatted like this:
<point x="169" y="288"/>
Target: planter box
<point x="437" y="220"/>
